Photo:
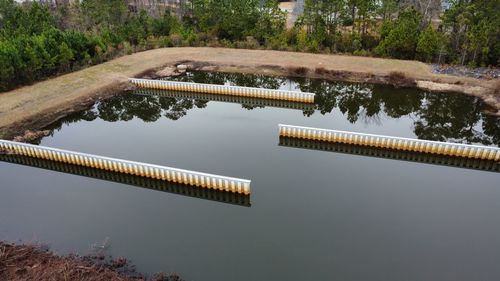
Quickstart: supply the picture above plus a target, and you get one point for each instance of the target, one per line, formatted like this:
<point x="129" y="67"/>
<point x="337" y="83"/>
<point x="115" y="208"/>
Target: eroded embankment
<point x="36" y="106"/>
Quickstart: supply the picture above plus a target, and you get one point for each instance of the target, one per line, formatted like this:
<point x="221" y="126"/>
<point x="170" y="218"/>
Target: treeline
<point x="40" y="40"/>
<point x="37" y="41"/>
<point x="466" y="33"/>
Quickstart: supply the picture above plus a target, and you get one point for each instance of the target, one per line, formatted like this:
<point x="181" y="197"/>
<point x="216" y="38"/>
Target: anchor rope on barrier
<point x="186" y="177"/>
<point x="388" y="142"/>
<point x="225" y="90"/>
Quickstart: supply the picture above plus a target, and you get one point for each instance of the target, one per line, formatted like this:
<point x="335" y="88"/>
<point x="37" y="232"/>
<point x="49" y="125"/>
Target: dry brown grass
<point x="400" y="79"/>
<point x="321" y="71"/>
<point x="496" y="87"/>
<point x="297" y="71"/>
<point x="28" y="262"/>
<point x="331" y="74"/>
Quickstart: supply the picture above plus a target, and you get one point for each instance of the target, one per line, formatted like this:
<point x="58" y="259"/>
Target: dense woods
<point x="39" y="40"/>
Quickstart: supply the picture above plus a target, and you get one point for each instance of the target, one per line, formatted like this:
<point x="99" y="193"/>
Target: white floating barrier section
<point x="411" y="156"/>
<point x="154" y="184"/>
<point x="224" y="90"/>
<point x="225" y="98"/>
<point x="406" y="144"/>
<point x="202" y="180"/>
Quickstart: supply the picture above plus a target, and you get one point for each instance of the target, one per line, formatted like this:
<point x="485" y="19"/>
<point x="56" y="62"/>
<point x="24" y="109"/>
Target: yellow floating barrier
<point x="225" y="90"/>
<point x="153" y="184"/>
<point x="202" y="180"/>
<point x="396" y="143"/>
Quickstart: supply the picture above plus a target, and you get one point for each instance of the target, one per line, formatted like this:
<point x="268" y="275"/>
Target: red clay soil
<point x="32" y="263"/>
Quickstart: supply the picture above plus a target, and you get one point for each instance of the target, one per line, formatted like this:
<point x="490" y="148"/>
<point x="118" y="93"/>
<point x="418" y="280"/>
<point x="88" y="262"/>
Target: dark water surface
<point x="314" y="215"/>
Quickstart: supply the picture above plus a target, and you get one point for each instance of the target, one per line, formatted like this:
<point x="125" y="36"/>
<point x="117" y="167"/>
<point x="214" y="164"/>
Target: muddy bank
<point x="36" y="106"/>
<point x="30" y="262"/>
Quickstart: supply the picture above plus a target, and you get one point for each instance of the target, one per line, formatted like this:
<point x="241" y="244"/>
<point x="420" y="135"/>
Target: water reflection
<point x="438" y="117"/>
<point x="354" y="210"/>
<point x="246" y="102"/>
<point x="234" y="79"/>
<point x="392" y="154"/>
<point x="214" y="195"/>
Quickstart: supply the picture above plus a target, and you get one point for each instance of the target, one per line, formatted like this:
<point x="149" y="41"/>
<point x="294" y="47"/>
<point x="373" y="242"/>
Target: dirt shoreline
<point x="20" y="262"/>
<point x="37" y="106"/>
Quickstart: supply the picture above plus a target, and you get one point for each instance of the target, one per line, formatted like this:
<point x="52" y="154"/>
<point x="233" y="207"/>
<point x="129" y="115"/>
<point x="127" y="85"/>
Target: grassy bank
<point x="38" y="105"/>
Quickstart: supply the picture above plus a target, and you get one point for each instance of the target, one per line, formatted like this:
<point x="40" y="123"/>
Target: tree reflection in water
<point x="440" y="117"/>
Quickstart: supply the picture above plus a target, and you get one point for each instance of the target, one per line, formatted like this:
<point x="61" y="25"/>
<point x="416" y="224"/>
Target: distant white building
<point x="445" y="5"/>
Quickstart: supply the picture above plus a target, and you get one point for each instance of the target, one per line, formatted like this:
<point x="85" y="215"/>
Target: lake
<point x="314" y="214"/>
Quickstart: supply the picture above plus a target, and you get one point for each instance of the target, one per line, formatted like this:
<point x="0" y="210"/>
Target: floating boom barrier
<point x="202" y="180"/>
<point x="442" y="160"/>
<point x="387" y="142"/>
<point x="230" y="99"/>
<point x="224" y="90"/>
<point x="148" y="183"/>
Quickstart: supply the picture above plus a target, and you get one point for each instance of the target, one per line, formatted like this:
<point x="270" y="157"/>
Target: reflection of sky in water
<point x="315" y="215"/>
